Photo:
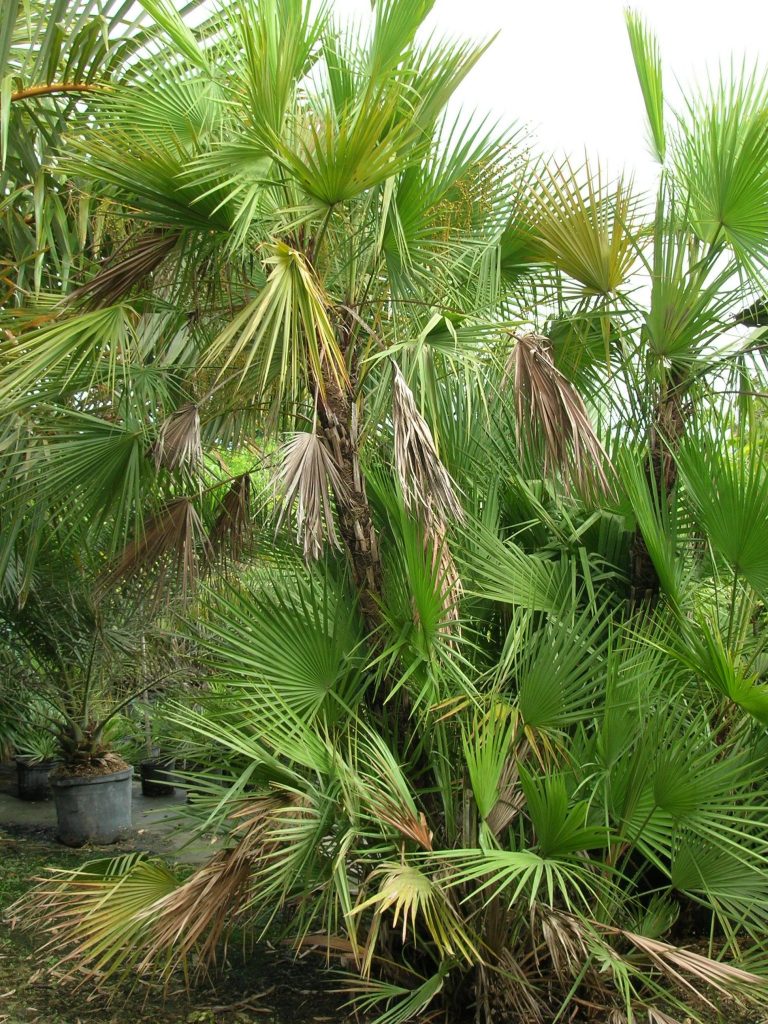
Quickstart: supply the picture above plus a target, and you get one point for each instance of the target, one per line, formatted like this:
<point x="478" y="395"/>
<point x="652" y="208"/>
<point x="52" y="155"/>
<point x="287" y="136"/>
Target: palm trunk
<point x="337" y="421"/>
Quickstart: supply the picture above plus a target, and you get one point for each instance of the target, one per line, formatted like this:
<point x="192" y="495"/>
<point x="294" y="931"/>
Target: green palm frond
<point x="279" y="41"/>
<point x="101" y="913"/>
<point x="295" y="637"/>
<point x="560" y="829"/>
<point x="729" y="491"/>
<point x="656" y="522"/>
<point x="692" y="297"/>
<point x="413" y="897"/>
<point x="513" y="875"/>
<point x="101" y="468"/>
<point x="401" y="1004"/>
<point x="285" y="333"/>
<point x="503" y="571"/>
<point x="70" y="351"/>
<point x="337" y="157"/>
<point x="487" y="752"/>
<point x="586" y="226"/>
<point x="645" y="52"/>
<point x="719" y="156"/>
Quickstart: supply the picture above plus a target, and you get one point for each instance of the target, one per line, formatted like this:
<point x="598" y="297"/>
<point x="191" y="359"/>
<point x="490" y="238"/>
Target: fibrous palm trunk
<point x="338" y="417"/>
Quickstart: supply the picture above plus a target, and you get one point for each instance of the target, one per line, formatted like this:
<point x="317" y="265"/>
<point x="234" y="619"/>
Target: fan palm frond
<point x="307" y="477"/>
<point x="645" y="52"/>
<point x="548" y="406"/>
<point x="424" y="481"/>
<point x="178" y="444"/>
<point x="586" y="225"/>
<point x="168" y="548"/>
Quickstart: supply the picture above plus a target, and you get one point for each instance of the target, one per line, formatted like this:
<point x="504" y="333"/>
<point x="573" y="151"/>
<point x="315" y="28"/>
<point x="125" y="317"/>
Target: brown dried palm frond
<point x="407" y="821"/>
<point x="140" y="917"/>
<point x="178" y="443"/>
<point x="511" y="798"/>
<point x="167" y="550"/>
<point x="425" y="482"/>
<point x="234" y="518"/>
<point x="121" y="271"/>
<point x="692" y="970"/>
<point x="563" y="939"/>
<point x="547" y="406"/>
<point x="306" y="477"/>
<point x="656" y="1016"/>
<point x="199" y="913"/>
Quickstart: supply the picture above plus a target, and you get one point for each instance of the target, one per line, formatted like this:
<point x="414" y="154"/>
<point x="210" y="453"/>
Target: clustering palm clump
<point x="452" y="462"/>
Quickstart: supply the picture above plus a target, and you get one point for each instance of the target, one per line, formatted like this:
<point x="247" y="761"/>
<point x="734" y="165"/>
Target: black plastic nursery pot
<point x="92" y="808"/>
<point x="157" y="777"/>
<point x="32" y="779"/>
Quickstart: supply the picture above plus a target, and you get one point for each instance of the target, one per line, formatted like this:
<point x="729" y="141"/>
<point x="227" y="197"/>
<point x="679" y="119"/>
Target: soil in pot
<point x="32" y="779"/>
<point x="156" y="777"/>
<point x="91" y="807"/>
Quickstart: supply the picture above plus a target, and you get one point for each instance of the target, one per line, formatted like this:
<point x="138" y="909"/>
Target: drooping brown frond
<point x="306" y="477"/>
<point x="123" y="270"/>
<point x="691" y="970"/>
<point x="178" y="443"/>
<point x="547" y="406"/>
<point x="233" y="520"/>
<point x="140" y="917"/>
<point x="563" y="939"/>
<point x="167" y="547"/>
<point x="196" y="916"/>
<point x="424" y="480"/>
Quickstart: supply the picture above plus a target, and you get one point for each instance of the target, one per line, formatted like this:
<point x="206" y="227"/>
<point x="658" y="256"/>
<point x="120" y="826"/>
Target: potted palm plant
<point x="87" y="662"/>
<point x="36" y="749"/>
<point x="152" y="745"/>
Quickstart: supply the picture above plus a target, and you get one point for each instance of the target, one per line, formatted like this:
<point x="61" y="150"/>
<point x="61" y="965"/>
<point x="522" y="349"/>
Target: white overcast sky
<point x="565" y="68"/>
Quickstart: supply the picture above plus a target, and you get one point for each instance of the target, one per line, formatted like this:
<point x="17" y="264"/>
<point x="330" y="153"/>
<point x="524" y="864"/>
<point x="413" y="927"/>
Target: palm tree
<point x="466" y="752"/>
<point x="333" y="262"/>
